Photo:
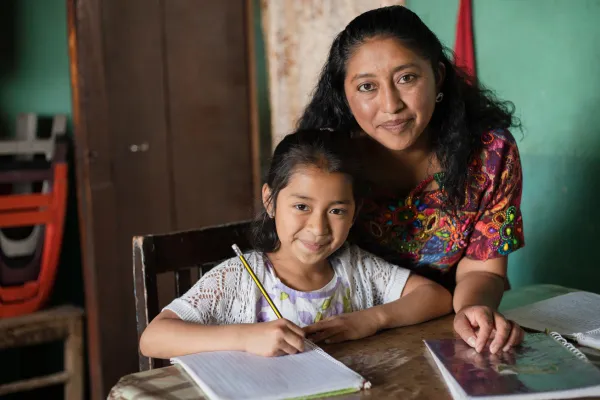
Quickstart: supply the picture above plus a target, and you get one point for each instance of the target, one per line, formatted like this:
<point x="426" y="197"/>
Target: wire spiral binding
<point x="557" y="336"/>
<point x="592" y="332"/>
<point x="593" y="335"/>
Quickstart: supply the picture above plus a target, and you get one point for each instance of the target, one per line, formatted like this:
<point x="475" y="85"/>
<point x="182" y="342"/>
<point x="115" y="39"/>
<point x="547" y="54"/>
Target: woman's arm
<point x="168" y="336"/>
<point x="421" y="301"/>
<point x="478" y="292"/>
<point x="479" y="283"/>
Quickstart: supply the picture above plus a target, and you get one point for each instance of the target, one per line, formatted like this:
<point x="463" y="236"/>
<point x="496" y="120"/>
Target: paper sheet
<point x="571" y="313"/>
<point x="231" y="375"/>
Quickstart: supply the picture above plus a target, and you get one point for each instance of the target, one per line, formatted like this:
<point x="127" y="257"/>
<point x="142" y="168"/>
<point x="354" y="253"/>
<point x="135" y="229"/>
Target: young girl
<point x="325" y="289"/>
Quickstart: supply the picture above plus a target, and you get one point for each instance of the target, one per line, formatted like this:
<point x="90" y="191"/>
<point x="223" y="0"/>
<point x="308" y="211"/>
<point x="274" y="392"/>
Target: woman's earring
<point x="439" y="97"/>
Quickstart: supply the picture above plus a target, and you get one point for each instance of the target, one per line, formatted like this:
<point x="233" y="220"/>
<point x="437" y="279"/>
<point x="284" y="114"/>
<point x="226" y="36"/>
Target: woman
<point x="445" y="171"/>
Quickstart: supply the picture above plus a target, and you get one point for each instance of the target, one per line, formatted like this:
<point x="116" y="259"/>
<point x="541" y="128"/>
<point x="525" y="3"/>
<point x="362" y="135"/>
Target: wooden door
<point x="161" y="101"/>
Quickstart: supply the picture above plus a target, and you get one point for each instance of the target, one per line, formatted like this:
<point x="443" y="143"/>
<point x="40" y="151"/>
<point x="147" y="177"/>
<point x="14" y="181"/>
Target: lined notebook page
<point x="235" y="375"/>
<point x="567" y="314"/>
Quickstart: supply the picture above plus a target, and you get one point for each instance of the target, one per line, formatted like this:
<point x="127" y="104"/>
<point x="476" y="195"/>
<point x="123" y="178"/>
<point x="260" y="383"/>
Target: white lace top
<point x="228" y="295"/>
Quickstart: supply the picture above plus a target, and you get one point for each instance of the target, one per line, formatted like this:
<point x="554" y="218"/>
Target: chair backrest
<point x="179" y="253"/>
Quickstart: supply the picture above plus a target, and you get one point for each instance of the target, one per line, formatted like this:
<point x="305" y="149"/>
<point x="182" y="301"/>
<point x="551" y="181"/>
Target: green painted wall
<point x="34" y="63"/>
<point x="544" y="55"/>
<point x="34" y="77"/>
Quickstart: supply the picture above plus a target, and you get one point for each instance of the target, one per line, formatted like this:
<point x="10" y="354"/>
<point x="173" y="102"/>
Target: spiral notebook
<point x="238" y="375"/>
<point x="574" y="315"/>
<point x="542" y="367"/>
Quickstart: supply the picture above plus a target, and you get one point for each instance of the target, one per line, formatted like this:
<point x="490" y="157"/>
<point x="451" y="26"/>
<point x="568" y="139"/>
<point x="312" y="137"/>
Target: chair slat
<point x="178" y="253"/>
<point x="208" y="245"/>
<point x="183" y="282"/>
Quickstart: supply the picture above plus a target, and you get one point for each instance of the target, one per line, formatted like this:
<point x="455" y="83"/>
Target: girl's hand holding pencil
<point x="276" y="338"/>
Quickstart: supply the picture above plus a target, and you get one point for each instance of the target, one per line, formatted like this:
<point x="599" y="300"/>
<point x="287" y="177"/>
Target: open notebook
<point x="574" y="315"/>
<point x="542" y="367"/>
<point x="238" y="375"/>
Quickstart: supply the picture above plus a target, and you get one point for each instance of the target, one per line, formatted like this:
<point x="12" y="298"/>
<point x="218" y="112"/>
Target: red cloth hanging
<point x="463" y="46"/>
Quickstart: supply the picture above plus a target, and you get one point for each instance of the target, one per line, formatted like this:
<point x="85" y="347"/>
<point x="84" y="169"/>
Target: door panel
<point x="208" y="96"/>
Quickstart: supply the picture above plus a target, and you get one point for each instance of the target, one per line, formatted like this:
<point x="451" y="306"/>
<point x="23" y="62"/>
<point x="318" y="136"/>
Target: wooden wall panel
<point x="208" y="91"/>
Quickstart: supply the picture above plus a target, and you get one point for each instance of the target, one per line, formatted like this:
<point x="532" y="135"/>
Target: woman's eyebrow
<point x="370" y="75"/>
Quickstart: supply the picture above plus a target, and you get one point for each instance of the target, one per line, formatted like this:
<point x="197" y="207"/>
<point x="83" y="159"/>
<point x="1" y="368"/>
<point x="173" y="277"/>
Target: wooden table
<point x="396" y="361"/>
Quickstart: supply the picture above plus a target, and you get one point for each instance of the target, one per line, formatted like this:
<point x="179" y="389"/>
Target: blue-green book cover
<point x="542" y="367"/>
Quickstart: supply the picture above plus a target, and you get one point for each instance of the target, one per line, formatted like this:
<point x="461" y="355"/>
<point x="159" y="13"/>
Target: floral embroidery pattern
<point x="419" y="232"/>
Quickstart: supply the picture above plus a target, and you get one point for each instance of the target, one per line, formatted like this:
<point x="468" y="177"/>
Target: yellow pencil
<point x="255" y="278"/>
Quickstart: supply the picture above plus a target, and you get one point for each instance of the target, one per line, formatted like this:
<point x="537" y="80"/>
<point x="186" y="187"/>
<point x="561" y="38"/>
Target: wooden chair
<point x="178" y="252"/>
<point x="60" y="323"/>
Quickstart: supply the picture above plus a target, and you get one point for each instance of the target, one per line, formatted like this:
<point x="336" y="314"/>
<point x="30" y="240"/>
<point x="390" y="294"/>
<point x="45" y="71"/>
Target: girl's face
<point x="391" y="92"/>
<point x="313" y="214"/>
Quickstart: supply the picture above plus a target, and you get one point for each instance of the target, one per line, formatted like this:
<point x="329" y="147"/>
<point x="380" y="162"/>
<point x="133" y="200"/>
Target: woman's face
<point x="391" y="92"/>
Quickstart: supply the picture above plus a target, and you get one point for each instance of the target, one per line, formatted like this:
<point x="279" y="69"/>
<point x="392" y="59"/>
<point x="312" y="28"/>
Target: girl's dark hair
<point x="328" y="150"/>
<point x="467" y="111"/>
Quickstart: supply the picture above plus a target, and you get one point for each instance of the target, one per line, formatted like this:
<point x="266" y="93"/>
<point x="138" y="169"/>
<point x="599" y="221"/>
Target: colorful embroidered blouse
<point x="420" y="233"/>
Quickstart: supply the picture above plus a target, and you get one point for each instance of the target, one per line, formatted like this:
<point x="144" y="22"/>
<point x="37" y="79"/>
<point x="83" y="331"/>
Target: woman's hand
<point x="275" y="338"/>
<point x="478" y="324"/>
<point x="351" y="326"/>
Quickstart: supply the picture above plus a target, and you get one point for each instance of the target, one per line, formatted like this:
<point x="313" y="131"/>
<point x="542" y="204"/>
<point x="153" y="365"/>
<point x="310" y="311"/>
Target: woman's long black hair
<point x="467" y="111"/>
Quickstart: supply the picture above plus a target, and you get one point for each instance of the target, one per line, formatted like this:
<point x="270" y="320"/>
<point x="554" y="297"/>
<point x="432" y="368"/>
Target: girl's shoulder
<point x="350" y="257"/>
<point x="233" y="266"/>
